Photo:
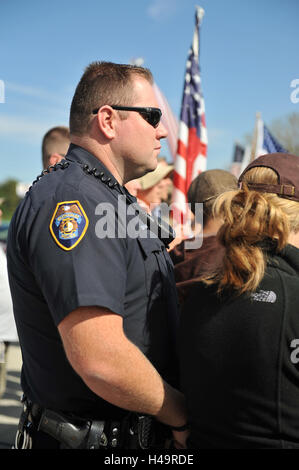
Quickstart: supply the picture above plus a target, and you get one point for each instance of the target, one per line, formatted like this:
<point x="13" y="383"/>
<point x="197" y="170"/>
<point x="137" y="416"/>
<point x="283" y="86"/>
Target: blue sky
<point x="248" y="58"/>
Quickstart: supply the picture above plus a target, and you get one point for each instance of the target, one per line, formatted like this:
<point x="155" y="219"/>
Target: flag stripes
<point x="192" y="139"/>
<point x="169" y="121"/>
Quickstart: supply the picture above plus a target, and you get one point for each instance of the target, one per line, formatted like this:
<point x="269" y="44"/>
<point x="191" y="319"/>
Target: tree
<point x="11" y="200"/>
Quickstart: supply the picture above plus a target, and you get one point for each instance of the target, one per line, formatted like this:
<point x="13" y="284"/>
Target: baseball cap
<point x="210" y="184"/>
<point x="154" y="177"/>
<point x="286" y="166"/>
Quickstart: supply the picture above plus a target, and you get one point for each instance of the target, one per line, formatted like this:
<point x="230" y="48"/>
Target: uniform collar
<point x="80" y="155"/>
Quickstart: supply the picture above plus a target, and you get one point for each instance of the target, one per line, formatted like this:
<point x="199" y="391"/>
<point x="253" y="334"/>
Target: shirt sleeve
<point x="92" y="273"/>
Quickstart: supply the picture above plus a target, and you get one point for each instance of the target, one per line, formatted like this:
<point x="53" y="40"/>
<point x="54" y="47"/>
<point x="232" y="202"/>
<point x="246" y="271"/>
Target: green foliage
<point x="11" y="200"/>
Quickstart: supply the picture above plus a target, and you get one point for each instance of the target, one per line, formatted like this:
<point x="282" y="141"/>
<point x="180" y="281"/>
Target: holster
<point x="71" y="435"/>
<point x="133" y="431"/>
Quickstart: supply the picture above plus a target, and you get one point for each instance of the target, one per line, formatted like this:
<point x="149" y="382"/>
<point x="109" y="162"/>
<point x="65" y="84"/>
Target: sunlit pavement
<point x="10" y="406"/>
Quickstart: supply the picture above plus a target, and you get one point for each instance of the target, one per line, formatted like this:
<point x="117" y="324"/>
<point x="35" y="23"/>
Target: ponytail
<point x="251" y="220"/>
<point x="254" y="223"/>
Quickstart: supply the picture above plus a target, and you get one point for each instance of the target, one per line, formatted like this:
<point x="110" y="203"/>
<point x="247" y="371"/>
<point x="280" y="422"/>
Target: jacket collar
<point x="288" y="259"/>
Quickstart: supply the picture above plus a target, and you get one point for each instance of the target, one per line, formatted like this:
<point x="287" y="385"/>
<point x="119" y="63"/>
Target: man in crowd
<point x="96" y="314"/>
<point x="133" y="186"/>
<point x="191" y="262"/>
<point x="55" y="145"/>
<point x="154" y="188"/>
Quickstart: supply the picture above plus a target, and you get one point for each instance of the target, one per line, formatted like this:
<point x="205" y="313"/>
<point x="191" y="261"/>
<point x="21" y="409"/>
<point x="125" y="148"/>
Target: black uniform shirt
<point x="58" y="261"/>
<point x="239" y="363"/>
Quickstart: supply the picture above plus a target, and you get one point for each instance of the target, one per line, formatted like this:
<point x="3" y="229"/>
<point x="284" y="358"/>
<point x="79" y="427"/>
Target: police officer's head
<point x="103" y="83"/>
<point x="130" y="138"/>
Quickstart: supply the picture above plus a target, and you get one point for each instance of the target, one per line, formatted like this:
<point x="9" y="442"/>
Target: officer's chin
<point x="153" y="165"/>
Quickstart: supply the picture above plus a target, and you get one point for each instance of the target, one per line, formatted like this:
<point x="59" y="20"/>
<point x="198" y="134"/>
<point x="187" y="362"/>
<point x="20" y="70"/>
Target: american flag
<point x="270" y="143"/>
<point x="169" y="121"/>
<point x="192" y="140"/>
<point x="238" y="157"/>
<point x="265" y="142"/>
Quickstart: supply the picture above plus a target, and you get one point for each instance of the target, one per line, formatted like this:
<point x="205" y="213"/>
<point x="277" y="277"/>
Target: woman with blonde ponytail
<point x="239" y="335"/>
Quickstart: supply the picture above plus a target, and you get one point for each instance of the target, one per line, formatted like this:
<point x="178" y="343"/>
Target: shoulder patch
<point x="68" y="224"/>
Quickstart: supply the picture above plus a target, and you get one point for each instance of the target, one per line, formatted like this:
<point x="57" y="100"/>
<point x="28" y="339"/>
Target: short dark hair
<point x="103" y="83"/>
<point x="55" y="141"/>
<point x="207" y="186"/>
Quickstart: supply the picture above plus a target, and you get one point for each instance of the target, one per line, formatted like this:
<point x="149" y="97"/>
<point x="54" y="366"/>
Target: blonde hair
<point x="251" y="221"/>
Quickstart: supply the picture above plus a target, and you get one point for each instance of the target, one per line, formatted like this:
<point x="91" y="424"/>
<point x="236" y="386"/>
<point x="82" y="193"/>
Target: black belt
<point x="132" y="432"/>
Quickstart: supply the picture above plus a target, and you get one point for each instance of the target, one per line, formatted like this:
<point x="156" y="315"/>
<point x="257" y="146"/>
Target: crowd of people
<point x="143" y="342"/>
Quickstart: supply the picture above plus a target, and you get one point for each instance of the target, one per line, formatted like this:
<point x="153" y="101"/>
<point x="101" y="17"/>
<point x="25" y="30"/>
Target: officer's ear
<point x="106" y="119"/>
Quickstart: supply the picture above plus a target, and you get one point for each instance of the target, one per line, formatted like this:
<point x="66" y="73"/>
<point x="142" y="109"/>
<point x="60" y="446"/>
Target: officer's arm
<point x="114" y="368"/>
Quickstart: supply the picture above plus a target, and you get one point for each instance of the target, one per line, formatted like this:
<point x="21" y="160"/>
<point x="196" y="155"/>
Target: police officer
<point x="95" y="306"/>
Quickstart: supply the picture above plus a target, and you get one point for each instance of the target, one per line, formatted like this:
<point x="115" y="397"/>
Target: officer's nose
<point x="162" y="132"/>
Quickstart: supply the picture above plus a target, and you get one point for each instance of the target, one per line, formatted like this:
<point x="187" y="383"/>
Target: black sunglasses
<point x="151" y="115"/>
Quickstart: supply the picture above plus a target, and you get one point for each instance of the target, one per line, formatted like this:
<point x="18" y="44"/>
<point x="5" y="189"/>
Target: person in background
<point x="239" y="324"/>
<point x="8" y="332"/>
<point x="191" y="262"/>
<point x="154" y="188"/>
<point x="97" y="315"/>
<point x="55" y="145"/>
<point x="133" y="186"/>
<point x="167" y="181"/>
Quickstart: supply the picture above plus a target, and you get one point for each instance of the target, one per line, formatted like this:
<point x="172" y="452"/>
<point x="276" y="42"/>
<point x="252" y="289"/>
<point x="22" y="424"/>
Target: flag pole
<point x="254" y="139"/>
<point x="191" y="155"/>
<point x="198" y="19"/>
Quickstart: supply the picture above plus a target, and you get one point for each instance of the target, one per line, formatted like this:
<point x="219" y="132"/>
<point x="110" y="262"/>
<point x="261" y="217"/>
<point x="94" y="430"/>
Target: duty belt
<point x="132" y="432"/>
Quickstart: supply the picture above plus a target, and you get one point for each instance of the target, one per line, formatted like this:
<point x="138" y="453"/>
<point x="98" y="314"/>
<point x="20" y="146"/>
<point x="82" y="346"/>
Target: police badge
<point x="68" y="224"/>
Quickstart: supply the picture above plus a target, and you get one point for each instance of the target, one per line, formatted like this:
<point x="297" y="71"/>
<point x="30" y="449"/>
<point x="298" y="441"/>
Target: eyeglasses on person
<point x="151" y="115"/>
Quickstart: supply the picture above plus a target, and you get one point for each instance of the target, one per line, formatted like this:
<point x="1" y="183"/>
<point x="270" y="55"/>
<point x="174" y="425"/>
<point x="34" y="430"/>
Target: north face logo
<point x="264" y="296"/>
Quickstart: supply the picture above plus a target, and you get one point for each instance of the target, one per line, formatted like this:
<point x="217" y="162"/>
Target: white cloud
<point x="216" y="135"/>
<point x="26" y="90"/>
<point x="34" y="92"/>
<point x="161" y="9"/>
<point x="22" y="128"/>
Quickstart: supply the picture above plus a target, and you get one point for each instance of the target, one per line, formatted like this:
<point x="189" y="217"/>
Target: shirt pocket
<point x="151" y="249"/>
